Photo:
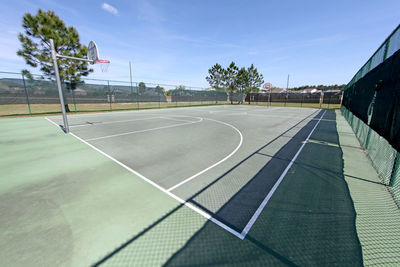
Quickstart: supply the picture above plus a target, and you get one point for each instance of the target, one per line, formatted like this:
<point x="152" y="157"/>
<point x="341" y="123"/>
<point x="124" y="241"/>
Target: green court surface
<point x="215" y="185"/>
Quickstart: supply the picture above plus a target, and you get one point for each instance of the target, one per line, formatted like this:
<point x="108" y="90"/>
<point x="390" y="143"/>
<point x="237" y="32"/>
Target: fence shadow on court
<point x="311" y="220"/>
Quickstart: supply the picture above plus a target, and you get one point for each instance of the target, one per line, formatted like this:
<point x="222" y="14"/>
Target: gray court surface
<point x="215" y="185"/>
<point x="202" y="155"/>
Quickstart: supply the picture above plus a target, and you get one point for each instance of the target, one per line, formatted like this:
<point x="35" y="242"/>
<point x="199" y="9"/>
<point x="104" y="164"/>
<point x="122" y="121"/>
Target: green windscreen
<point x="371" y="104"/>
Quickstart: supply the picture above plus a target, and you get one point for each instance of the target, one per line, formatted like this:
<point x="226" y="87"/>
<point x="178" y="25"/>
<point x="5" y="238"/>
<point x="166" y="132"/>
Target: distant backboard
<point x="267" y="86"/>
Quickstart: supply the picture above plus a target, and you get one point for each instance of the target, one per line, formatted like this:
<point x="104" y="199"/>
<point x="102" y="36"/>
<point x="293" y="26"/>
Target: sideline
<point x="272" y="191"/>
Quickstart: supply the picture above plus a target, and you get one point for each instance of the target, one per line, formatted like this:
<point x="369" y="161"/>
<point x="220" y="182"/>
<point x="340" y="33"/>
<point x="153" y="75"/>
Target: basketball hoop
<point x="104" y="64"/>
<point x="93" y="57"/>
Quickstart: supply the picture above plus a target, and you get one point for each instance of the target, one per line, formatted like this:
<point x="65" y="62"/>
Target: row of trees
<point x="235" y="79"/>
<point x="142" y="88"/>
<point x="320" y="87"/>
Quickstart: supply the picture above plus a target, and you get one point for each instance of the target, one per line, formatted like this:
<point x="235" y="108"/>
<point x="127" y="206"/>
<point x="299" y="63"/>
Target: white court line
<point x="269" y="115"/>
<point x="268" y="197"/>
<point x="180" y="200"/>
<point x="216" y="111"/>
<point x="247" y="228"/>
<point x="215" y="164"/>
<point x="108" y="122"/>
<point x="143" y="111"/>
<point x="142" y="131"/>
<point x="176" y="119"/>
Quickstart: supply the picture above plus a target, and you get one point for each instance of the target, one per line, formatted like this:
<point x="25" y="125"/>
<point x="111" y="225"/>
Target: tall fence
<point x="20" y="95"/>
<point x="371" y="104"/>
<point x="327" y="99"/>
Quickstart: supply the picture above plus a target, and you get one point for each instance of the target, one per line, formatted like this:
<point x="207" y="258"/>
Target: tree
<point x="180" y="87"/>
<point x="216" y="76"/>
<point x="35" y="41"/>
<point x="142" y="87"/>
<point x="230" y="77"/>
<point x="254" y="79"/>
<point x="160" y="89"/>
<point x="242" y="80"/>
<point x="169" y="92"/>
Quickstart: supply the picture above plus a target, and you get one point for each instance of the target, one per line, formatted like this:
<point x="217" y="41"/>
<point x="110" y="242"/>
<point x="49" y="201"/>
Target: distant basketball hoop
<point x="267" y="86"/>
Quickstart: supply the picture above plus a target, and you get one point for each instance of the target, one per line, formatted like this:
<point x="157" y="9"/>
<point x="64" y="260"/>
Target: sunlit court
<point x="198" y="133"/>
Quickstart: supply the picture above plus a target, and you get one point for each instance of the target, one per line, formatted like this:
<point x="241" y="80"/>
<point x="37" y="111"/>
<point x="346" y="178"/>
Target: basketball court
<point x="199" y="185"/>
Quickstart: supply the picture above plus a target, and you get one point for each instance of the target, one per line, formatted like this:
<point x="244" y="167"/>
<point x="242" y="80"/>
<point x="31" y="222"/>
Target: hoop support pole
<point x="60" y="93"/>
<point x="75" y="58"/>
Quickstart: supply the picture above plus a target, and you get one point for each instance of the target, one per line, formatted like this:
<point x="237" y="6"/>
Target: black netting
<point x="383" y="109"/>
<point x="193" y="95"/>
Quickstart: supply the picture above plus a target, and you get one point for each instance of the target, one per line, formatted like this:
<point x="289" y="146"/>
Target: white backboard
<point x="93" y="52"/>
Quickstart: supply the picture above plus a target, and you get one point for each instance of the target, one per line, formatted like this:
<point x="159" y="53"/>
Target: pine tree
<point x="35" y="41"/>
<point x="216" y="76"/>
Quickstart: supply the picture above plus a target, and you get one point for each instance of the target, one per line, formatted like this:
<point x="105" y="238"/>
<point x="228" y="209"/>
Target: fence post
<point x="137" y="97"/>
<point x="73" y="98"/>
<point x="109" y="94"/>
<point x="159" y="98"/>
<point x="321" y="99"/>
<point x="26" y="94"/>
<point x="302" y="99"/>
<point x="386" y="50"/>
<point x="394" y="169"/>
<point x="329" y="100"/>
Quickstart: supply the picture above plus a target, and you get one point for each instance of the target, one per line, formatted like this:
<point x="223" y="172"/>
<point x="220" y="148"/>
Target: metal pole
<point x="137" y="96"/>
<point x="321" y="99"/>
<point x="73" y="98"/>
<point x="60" y="93"/>
<point x="109" y="94"/>
<point x="26" y="94"/>
<point x="159" y="97"/>
<point x="269" y="97"/>
<point x="287" y="89"/>
<point x="130" y="74"/>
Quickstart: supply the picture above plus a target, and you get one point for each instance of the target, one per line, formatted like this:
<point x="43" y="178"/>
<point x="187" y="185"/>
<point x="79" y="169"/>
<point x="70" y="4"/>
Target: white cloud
<point x="148" y="12"/>
<point x="109" y="8"/>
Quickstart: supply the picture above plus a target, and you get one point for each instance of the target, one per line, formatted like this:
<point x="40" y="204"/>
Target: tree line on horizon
<point x="320" y="87"/>
<point x="235" y="79"/>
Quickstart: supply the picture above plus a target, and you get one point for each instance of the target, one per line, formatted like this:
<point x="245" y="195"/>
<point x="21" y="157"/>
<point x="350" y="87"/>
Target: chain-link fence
<point x="321" y="99"/>
<point x="20" y="95"/>
<point x="371" y="104"/>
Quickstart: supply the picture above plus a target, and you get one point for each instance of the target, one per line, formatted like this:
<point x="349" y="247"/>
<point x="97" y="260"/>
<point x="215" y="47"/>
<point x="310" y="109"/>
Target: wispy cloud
<point x="150" y="13"/>
<point x="109" y="8"/>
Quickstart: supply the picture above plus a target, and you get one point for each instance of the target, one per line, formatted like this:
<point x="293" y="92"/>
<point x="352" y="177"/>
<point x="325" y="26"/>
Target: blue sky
<point x="177" y="41"/>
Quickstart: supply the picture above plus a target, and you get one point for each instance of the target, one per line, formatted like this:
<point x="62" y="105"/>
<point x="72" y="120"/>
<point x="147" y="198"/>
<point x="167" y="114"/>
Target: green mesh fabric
<point x="395" y="183"/>
<point x="381" y="153"/>
<point x="195" y="96"/>
<point x="371" y="105"/>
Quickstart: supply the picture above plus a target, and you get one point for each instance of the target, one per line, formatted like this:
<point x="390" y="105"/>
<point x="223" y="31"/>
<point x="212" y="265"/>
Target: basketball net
<point x="104" y="64"/>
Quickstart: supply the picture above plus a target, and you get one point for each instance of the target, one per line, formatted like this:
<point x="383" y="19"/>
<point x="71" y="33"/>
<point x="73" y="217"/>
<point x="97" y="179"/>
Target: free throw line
<point x="142" y="131"/>
<point x="180" y="200"/>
